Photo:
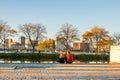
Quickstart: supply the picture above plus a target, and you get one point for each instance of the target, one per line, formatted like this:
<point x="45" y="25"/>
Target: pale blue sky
<point x="83" y="14"/>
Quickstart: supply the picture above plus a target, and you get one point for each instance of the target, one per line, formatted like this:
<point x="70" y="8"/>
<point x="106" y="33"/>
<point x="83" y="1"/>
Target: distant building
<point x="29" y="46"/>
<point x="16" y="45"/>
<point x="59" y="45"/>
<point x="22" y="40"/>
<point x="81" y="46"/>
<point x="8" y="42"/>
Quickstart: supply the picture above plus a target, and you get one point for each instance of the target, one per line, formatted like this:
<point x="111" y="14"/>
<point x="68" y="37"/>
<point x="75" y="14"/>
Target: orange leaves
<point x="97" y="37"/>
<point x="98" y="30"/>
<point x="87" y="34"/>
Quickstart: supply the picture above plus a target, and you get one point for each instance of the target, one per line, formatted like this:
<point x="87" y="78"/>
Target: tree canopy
<point x="5" y="32"/>
<point x="68" y="34"/>
<point x="34" y="33"/>
<point x="94" y="36"/>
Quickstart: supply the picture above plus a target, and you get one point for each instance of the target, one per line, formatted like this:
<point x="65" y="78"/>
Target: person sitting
<point x="69" y="57"/>
<point x="61" y="58"/>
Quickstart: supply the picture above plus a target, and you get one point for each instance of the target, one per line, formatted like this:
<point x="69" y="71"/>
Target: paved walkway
<point x="59" y="72"/>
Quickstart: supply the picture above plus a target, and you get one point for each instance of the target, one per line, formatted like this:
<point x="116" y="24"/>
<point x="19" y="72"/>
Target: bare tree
<point x="67" y="34"/>
<point x="116" y="37"/>
<point x="5" y="32"/>
<point x="34" y="32"/>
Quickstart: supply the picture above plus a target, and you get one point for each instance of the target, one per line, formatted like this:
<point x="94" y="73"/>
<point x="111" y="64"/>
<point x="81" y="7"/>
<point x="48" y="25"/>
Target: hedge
<point x="52" y="57"/>
<point x="92" y="57"/>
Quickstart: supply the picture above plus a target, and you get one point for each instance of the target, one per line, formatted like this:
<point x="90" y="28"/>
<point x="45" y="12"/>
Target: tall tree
<point x="34" y="33"/>
<point x="98" y="33"/>
<point x="67" y="34"/>
<point x="5" y="32"/>
<point x="94" y="36"/>
<point x="88" y="37"/>
<point x="116" y="37"/>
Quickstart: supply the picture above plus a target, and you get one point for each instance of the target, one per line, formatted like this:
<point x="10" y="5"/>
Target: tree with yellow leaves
<point x="98" y="33"/>
<point x="94" y="36"/>
<point x="88" y="37"/>
<point x="104" y="44"/>
<point x="48" y="44"/>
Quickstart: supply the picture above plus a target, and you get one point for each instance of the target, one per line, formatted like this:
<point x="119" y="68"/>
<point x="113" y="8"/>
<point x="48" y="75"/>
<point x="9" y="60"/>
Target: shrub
<point x="52" y="57"/>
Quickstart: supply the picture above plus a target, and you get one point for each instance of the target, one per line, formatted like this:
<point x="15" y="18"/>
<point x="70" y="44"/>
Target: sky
<point x="83" y="14"/>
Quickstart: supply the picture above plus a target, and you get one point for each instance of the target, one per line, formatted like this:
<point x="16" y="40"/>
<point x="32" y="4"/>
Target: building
<point x="81" y="46"/>
<point x="30" y="46"/>
<point x="59" y="45"/>
<point x="22" y="40"/>
<point x="115" y="54"/>
<point x="16" y="45"/>
<point x="8" y="42"/>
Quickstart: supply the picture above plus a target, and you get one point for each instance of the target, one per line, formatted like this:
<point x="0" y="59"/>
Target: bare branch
<point x="67" y="34"/>
<point x="34" y="32"/>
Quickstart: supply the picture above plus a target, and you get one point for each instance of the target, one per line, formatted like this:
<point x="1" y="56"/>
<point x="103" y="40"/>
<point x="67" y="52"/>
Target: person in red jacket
<point x="69" y="57"/>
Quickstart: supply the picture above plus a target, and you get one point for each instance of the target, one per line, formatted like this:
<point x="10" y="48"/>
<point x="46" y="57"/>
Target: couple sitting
<point x="68" y="58"/>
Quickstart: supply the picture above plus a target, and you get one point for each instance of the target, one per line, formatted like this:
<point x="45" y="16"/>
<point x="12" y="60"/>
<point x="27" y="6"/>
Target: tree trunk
<point x="97" y="46"/>
<point x="67" y="46"/>
<point x="4" y="45"/>
<point x="33" y="49"/>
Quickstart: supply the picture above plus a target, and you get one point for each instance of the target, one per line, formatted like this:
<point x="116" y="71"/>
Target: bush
<point x="91" y="57"/>
<point x="52" y="57"/>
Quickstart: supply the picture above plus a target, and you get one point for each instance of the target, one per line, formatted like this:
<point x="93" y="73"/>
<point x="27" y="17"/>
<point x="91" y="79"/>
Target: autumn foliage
<point x="98" y="38"/>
